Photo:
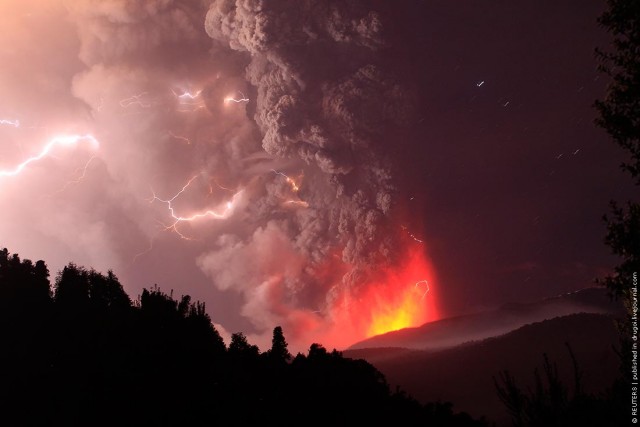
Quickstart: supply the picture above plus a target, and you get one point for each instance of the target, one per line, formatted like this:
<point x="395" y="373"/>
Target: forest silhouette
<point x="81" y="352"/>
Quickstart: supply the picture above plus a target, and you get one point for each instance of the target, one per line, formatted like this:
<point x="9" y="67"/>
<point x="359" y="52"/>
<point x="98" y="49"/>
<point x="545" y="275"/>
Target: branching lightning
<point x="188" y="95"/>
<point x="221" y="213"/>
<point x="63" y="141"/>
<point x="80" y="172"/>
<point x="189" y="101"/>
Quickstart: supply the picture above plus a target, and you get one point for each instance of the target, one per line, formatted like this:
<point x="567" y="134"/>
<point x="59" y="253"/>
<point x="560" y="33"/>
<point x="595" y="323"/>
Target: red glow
<point x="393" y="302"/>
<point x="399" y="301"/>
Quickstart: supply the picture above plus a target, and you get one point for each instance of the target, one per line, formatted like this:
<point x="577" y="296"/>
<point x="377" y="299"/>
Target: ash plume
<point x="335" y="118"/>
<point x="305" y="157"/>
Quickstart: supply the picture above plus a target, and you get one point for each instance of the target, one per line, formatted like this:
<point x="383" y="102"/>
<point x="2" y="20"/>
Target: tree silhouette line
<point x="81" y="352"/>
<point x="552" y="403"/>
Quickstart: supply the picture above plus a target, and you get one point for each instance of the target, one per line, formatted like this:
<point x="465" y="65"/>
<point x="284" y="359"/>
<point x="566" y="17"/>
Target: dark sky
<point x="516" y="175"/>
<point x="370" y="148"/>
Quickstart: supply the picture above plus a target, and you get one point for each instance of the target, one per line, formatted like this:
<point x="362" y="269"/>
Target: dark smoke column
<point x="328" y="101"/>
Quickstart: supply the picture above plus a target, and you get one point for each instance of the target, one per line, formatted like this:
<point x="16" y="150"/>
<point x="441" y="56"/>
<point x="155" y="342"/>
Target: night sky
<point x="318" y="165"/>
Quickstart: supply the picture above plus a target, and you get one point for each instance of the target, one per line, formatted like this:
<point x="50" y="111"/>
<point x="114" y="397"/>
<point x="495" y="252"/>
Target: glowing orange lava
<point x="403" y="299"/>
<point x="404" y="296"/>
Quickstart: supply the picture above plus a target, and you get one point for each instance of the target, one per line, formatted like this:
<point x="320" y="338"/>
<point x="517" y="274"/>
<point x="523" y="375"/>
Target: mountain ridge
<point x="454" y="331"/>
<point x="464" y="374"/>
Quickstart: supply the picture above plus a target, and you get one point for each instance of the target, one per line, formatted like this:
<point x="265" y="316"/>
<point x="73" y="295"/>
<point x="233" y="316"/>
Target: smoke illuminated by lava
<point x="394" y="301"/>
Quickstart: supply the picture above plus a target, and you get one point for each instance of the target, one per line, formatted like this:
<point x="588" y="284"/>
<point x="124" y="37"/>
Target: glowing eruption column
<point x="401" y="299"/>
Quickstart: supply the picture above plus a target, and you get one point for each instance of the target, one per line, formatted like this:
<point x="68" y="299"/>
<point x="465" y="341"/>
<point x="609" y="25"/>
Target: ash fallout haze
<point x="342" y="169"/>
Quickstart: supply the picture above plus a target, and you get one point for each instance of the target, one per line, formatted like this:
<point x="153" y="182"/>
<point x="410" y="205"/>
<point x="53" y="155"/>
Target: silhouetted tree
<point x="239" y="347"/>
<point x="92" y="357"/>
<point x="620" y="110"/>
<point x="72" y="287"/>
<point x="620" y="117"/>
<point x="40" y="282"/>
<point x="22" y="283"/>
<point x="200" y="326"/>
<point x="551" y="403"/>
<point x="279" y="351"/>
<point x="107" y="292"/>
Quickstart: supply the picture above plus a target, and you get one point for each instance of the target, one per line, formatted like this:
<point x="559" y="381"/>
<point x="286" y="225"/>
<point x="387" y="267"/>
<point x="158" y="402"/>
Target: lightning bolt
<point x="14" y="123"/>
<point x="222" y="187"/>
<point x="146" y="251"/>
<point x="64" y="141"/>
<point x="189" y="101"/>
<point x="82" y="174"/>
<point x="290" y="181"/>
<point x="189" y="95"/>
<point x="223" y="213"/>
<point x="426" y="284"/>
<point x="181" y="138"/>
<point x="243" y="98"/>
<point x="295" y="188"/>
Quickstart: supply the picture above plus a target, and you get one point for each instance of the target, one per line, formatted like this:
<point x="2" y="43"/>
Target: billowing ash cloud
<point x="333" y="114"/>
<point x="325" y="98"/>
<point x="255" y="139"/>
